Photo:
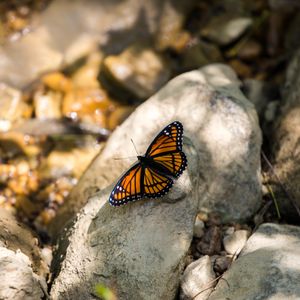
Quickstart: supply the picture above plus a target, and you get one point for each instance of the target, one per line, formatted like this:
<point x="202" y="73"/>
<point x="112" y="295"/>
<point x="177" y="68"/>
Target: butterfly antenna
<point x="134" y="146"/>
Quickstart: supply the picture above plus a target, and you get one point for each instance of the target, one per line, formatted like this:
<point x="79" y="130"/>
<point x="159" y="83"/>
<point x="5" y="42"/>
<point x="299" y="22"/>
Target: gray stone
<point x="268" y="267"/>
<point x="286" y="146"/>
<point x="139" y="249"/>
<point x="235" y="242"/>
<point x="198" y="280"/>
<point x="198" y="228"/>
<point x="218" y="120"/>
<point x="23" y="272"/>
<point x="224" y="29"/>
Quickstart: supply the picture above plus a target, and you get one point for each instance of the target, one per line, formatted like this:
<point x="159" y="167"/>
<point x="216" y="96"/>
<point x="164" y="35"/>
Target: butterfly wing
<point x="155" y="184"/>
<point x="168" y="140"/>
<point x="129" y="187"/>
<point x="166" y="149"/>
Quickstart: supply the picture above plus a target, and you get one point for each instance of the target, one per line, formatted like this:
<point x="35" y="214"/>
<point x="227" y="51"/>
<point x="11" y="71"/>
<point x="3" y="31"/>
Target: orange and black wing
<point x="168" y="140"/>
<point x="129" y="187"/>
<point x="166" y="150"/>
<point x="155" y="184"/>
<point x="174" y="163"/>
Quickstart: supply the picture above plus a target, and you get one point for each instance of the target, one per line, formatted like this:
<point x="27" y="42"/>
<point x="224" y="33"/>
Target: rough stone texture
<point x="235" y="242"/>
<point x="12" y="106"/>
<point x="198" y="280"/>
<point x="287" y="143"/>
<point x="23" y="272"/>
<point x="138" y="70"/>
<point x="198" y="228"/>
<point x="68" y="30"/>
<point x="268" y="268"/>
<point x="139" y="249"/>
<point x="217" y="119"/>
<point x="224" y="29"/>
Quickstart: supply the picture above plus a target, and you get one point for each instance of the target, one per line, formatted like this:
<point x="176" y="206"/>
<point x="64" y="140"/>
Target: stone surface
<point x="68" y="30"/>
<point x="73" y="162"/>
<point x="48" y="105"/>
<point x="139" y="249"/>
<point x="235" y="242"/>
<point x="12" y="106"/>
<point x="23" y="272"/>
<point x="286" y="148"/>
<point x="198" y="228"/>
<point x="218" y="120"/>
<point x="268" y="267"/>
<point x="199" y="54"/>
<point x="198" y="280"/>
<point x="224" y="29"/>
<point x="138" y="70"/>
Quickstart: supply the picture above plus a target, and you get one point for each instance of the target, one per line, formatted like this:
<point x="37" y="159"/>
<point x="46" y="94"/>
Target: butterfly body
<point x="154" y="173"/>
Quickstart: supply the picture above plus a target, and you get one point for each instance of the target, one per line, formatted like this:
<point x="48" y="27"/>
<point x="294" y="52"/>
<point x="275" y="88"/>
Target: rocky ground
<point x="80" y="79"/>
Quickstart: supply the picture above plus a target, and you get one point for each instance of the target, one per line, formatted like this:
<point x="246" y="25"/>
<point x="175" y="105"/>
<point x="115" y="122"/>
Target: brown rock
<point x="86" y="76"/>
<point x="57" y="82"/>
<point x="210" y="243"/>
<point x="138" y="70"/>
<point x="12" y="106"/>
<point x="286" y="148"/>
<point x="47" y="105"/>
<point x="88" y="105"/>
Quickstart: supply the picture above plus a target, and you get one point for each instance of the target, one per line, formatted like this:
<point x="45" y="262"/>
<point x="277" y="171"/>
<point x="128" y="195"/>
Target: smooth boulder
<point x="139" y="250"/>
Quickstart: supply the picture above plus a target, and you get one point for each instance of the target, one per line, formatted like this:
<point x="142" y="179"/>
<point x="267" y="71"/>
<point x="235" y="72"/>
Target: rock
<point x="86" y="76"/>
<point x="217" y="118"/>
<point x="200" y="53"/>
<point x="48" y="105"/>
<point x="23" y="273"/>
<point x="266" y="268"/>
<point x="210" y="243"/>
<point x="89" y="105"/>
<point x="171" y="24"/>
<point x="249" y="50"/>
<point x="69" y="30"/>
<point x="243" y="70"/>
<point x="260" y="93"/>
<point x="139" y="257"/>
<point x="198" y="228"/>
<point x="139" y="249"/>
<point x="73" y="162"/>
<point x="225" y="28"/>
<point x="286" y="146"/>
<point x="119" y="115"/>
<point x="235" y="242"/>
<point x="138" y="70"/>
<point x="221" y="264"/>
<point x="12" y="106"/>
<point x="57" y="81"/>
<point x="198" y="280"/>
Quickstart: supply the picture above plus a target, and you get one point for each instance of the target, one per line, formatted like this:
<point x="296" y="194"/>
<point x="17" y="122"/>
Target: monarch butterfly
<point x="152" y="176"/>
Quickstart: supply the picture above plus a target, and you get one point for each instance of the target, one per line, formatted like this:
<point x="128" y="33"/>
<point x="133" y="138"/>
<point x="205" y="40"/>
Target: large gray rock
<point x="23" y="272"/>
<point x="139" y="249"/>
<point x="286" y="146"/>
<point x="218" y="120"/>
<point x="268" y="267"/>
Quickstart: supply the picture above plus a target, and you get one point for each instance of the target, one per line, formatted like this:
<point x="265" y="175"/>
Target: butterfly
<point x="153" y="174"/>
